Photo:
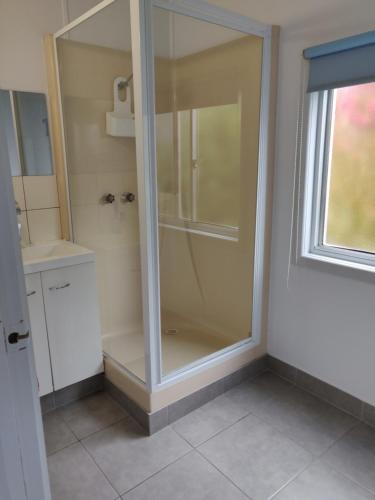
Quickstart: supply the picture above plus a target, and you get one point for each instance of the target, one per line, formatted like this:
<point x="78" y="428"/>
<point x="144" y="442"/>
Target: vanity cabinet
<point x="73" y="323"/>
<point x="39" y="332"/>
<point x="65" y="328"/>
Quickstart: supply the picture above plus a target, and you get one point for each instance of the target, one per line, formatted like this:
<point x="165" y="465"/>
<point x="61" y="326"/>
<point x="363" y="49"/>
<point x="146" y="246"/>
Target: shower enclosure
<point x="165" y="111"/>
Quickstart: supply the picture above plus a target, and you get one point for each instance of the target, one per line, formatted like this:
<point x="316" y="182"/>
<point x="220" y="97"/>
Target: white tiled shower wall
<point x="40" y="218"/>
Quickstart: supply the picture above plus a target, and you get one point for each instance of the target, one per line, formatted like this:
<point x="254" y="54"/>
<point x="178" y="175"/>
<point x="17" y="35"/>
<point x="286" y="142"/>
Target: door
<point x="23" y="466"/>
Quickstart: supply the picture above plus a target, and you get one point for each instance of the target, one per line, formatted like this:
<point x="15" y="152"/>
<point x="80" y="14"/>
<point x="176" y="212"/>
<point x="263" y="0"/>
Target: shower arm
<point x="125" y="83"/>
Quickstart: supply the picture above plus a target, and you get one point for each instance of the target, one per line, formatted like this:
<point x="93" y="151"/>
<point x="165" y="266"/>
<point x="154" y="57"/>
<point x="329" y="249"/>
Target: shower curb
<point x="153" y="422"/>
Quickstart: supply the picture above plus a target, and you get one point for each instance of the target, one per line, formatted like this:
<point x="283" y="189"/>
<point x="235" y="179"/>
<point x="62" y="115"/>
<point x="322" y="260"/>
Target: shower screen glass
<point x="207" y="103"/>
<point x="96" y="67"/>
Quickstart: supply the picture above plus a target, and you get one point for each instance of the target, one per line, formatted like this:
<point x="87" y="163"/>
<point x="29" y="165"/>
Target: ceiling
<point x="320" y="18"/>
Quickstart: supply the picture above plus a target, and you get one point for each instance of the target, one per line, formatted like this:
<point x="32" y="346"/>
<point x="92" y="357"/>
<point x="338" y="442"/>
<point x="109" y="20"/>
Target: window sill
<point x="340" y="262"/>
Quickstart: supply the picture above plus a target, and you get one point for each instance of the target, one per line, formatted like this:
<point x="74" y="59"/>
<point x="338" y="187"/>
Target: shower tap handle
<point x="108" y="198"/>
<point x="127" y="197"/>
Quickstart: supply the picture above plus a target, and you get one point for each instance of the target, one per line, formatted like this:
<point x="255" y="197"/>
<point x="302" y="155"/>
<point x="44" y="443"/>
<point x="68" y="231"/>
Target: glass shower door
<point x="207" y="103"/>
<point x="96" y="79"/>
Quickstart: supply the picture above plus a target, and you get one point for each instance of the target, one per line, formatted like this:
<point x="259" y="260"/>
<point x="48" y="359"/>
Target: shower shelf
<point x="120" y="121"/>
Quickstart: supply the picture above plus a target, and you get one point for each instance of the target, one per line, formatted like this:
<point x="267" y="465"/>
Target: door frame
<point x="23" y="463"/>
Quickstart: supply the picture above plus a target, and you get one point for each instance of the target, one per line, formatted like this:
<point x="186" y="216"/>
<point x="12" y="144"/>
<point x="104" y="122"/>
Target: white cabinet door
<point x="39" y="333"/>
<point x="73" y="323"/>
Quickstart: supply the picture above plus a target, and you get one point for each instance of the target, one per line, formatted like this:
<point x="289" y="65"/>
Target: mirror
<point x="26" y="122"/>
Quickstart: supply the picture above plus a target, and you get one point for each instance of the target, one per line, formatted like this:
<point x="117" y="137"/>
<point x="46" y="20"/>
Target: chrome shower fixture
<point x="108" y="198"/>
<point x="125" y="83"/>
<point x="127" y="197"/>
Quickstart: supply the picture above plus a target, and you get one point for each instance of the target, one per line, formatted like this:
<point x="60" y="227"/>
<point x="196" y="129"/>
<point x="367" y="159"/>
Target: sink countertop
<point x="54" y="255"/>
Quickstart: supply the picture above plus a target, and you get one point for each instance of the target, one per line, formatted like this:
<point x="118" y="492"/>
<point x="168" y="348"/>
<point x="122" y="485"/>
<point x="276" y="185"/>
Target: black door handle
<point x="14" y="337"/>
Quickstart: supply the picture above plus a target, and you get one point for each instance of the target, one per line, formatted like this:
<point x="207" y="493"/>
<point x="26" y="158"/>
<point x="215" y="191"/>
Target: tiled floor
<point x="263" y="439"/>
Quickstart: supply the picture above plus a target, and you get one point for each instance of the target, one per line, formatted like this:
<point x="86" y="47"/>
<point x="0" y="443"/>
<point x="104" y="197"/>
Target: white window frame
<point x="316" y="155"/>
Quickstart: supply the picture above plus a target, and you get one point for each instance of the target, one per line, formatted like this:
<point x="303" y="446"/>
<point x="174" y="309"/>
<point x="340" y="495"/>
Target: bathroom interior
<point x="76" y="183"/>
<point x="192" y="187"/>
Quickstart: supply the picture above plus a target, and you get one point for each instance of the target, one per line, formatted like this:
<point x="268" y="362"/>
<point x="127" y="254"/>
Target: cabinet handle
<point x="29" y="294"/>
<point x="51" y="288"/>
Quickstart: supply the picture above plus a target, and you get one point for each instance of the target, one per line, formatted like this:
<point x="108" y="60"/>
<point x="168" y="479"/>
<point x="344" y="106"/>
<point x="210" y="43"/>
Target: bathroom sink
<point x="54" y="254"/>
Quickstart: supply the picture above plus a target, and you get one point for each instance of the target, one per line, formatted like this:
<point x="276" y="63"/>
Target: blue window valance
<point x="342" y="63"/>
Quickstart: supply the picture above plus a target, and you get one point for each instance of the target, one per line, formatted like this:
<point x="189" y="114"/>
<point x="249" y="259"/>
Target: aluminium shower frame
<point x="144" y="96"/>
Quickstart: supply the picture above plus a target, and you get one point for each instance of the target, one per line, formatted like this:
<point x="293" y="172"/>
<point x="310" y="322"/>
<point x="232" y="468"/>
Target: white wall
<point x="22" y="26"/>
<point x="320" y="322"/>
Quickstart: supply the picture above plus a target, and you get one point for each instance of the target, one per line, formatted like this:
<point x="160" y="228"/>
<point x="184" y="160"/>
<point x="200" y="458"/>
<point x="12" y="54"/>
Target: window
<point x="203" y="192"/>
<point x="350" y="217"/>
<point x="338" y="223"/>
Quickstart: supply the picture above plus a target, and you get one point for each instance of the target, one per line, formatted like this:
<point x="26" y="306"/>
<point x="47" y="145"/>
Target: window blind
<point x="342" y="63"/>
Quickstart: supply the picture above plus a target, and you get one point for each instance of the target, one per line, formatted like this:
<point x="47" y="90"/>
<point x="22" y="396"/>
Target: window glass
<point x="208" y="146"/>
<point x="350" y="220"/>
<point x="218" y="163"/>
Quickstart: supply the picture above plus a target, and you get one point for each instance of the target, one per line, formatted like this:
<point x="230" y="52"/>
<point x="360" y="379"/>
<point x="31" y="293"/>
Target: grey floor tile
<point x="190" y="478"/>
<point x="354" y="455"/>
<point x="322" y="482"/>
<point x="253" y="392"/>
<point x="256" y="457"/>
<point x="75" y="476"/>
<point x="91" y="414"/>
<point x="310" y="422"/>
<point x="211" y="418"/>
<point x="57" y="434"/>
<point x="127" y="456"/>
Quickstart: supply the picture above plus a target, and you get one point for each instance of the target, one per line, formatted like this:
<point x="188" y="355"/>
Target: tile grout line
<point x="144" y="480"/>
<point x="94" y="462"/>
<point x="292" y="479"/>
<point x="94" y="432"/>
<point x="352" y="480"/>
<point x="321" y="457"/>
<point x="79" y="440"/>
<point x="222" y="474"/>
<point x="99" y="468"/>
<point x="314" y="458"/>
<point x="61" y="449"/>
<point x="213" y="435"/>
<point x="292" y="439"/>
<point x="158" y="472"/>
<point x="249" y="379"/>
<point x="213" y="465"/>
